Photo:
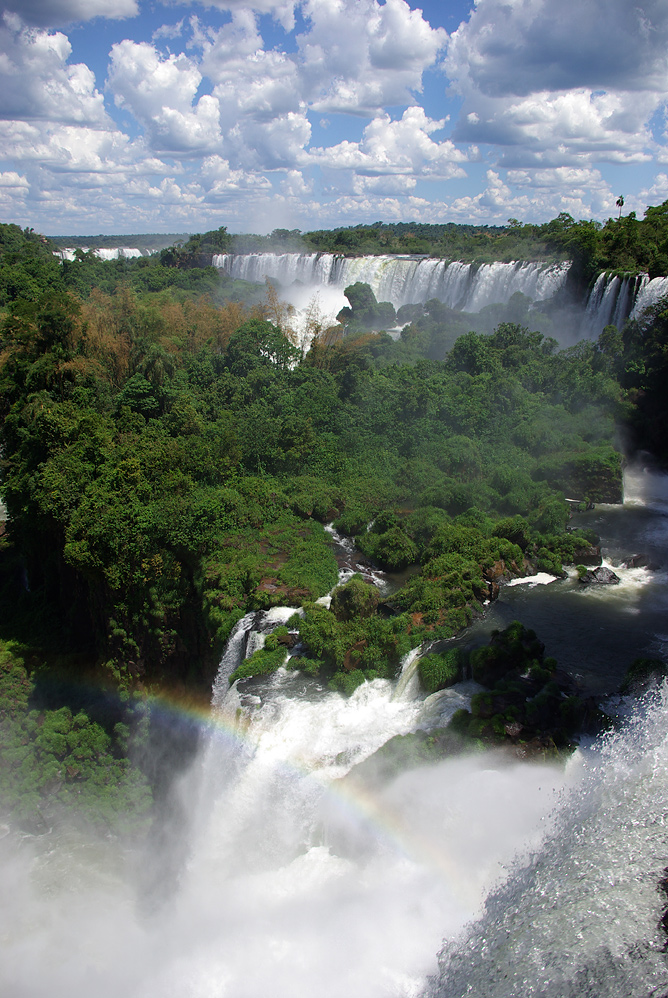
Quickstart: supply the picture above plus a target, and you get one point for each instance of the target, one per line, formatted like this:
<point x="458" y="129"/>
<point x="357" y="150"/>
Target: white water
<point x="582" y="919"/>
<point x="400" y="280"/>
<point x="114" y="253"/>
<point x="301" y="878"/>
<point x="615" y="299"/>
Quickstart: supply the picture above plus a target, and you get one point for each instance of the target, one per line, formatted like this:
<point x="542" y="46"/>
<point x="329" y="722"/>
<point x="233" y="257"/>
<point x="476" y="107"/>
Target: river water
<point x="296" y="879"/>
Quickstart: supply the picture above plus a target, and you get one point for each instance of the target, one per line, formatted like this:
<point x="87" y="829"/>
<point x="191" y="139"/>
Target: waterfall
<point x="113" y="253"/>
<point x="402" y="280"/>
<point x="649" y="293"/>
<point x="407" y="682"/>
<point x="615" y="299"/>
<point x="233" y="656"/>
<point x="582" y="917"/>
<point x="309" y="868"/>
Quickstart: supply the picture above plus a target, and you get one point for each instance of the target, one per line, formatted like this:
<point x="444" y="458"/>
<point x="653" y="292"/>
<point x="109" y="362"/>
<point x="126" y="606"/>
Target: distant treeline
<point x="150" y="242"/>
<point x="624" y="244"/>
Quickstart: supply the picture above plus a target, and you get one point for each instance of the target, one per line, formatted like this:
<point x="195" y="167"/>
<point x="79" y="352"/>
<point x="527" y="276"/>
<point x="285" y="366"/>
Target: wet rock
<point x="600" y="576"/>
<point x="640" y="561"/>
<point x="588" y="555"/>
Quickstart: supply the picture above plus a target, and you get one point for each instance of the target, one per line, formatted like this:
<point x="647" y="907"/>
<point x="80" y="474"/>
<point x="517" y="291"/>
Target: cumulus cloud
<point x="561" y="85"/>
<point x="160" y="93"/>
<point x="563" y="177"/>
<point x="656" y="194"/>
<point x="548" y="129"/>
<point x="282" y="11"/>
<point x="397" y="147"/>
<point x="519" y="47"/>
<point x="37" y="83"/>
<point x="12" y="179"/>
<point x="358" y="57"/>
<point x="57" y="13"/>
<point x="72" y="149"/>
<point x="249" y="82"/>
<point x="548" y="193"/>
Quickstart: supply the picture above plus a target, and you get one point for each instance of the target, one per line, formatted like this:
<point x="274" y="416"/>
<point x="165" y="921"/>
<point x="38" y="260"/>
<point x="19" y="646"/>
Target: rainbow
<point x="350" y="796"/>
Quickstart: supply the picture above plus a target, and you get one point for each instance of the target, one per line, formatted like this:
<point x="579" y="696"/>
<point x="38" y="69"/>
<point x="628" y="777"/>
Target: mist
<point x="292" y="882"/>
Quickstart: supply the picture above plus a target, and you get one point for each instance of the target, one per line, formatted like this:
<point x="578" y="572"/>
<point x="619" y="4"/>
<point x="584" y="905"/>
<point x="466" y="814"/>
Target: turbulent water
<point x="403" y="280"/>
<point x="400" y="280"/>
<point x="300" y="874"/>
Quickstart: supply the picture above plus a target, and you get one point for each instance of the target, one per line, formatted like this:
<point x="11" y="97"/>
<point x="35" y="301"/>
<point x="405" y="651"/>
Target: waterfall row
<point x="615" y="299"/>
<point x="102" y="253"/>
<point x="403" y="280"/>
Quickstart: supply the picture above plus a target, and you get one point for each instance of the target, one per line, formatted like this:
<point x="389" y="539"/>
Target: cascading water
<point x="582" y="918"/>
<point x="399" y="279"/>
<point x="306" y="873"/>
<point x="615" y="299"/>
<point x="102" y="253"/>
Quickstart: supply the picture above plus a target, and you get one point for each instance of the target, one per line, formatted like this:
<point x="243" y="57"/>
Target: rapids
<point x="300" y="873"/>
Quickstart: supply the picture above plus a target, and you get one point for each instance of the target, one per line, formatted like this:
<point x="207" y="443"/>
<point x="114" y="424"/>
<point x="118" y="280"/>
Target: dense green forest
<point x="170" y="458"/>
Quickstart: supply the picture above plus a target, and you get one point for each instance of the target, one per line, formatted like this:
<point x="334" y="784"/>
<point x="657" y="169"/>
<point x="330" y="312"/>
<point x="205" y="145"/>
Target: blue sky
<point x="124" y="116"/>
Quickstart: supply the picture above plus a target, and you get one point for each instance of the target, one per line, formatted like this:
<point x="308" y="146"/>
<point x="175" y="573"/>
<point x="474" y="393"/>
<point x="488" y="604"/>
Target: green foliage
<point x="355" y="599"/>
<point x="347" y="682"/>
<point x="439" y="670"/>
<point x="55" y="761"/>
<point x="365" y="312"/>
<point x="261" y="663"/>
<point x="169" y="465"/>
<point x="523" y="702"/>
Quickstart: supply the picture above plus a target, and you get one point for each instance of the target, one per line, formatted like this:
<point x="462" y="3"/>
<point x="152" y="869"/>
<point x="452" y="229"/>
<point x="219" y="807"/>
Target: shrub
<point x="437" y="671"/>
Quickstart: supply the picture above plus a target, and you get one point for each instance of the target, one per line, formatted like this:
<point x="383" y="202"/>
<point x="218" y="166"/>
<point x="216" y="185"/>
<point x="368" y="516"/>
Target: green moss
<point x="262" y="663"/>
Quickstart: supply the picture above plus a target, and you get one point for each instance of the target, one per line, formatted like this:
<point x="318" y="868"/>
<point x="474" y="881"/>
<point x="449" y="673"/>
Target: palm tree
<point x="620" y="204"/>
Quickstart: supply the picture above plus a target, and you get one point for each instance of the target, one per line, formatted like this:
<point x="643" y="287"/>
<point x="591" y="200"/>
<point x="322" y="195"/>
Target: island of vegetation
<point x="170" y="460"/>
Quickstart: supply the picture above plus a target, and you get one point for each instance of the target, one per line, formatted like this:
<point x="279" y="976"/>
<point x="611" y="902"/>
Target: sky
<point x="129" y="116"/>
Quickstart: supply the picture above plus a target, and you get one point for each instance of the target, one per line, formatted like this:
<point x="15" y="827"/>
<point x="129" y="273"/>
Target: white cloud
<point x="13" y="182"/>
<point x="397" y="147"/>
<point x="561" y="85"/>
<point x="295" y="185"/>
<point x="562" y="177"/>
<point x="519" y="47"/>
<point x="550" y="194"/>
<point x="656" y="194"/>
<point x="282" y="11"/>
<point x="575" y="127"/>
<point x="358" y="56"/>
<point x="57" y="13"/>
<point x="37" y="83"/>
<point x="160" y="93"/>
<point x="71" y="149"/>
<point x="219" y="181"/>
<point x="169" y="30"/>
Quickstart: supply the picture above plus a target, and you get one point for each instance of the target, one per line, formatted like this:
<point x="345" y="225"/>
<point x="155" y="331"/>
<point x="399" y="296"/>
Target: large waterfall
<point x="468" y="287"/>
<point x="305" y="867"/>
<point x="403" y="279"/>
<point x="102" y="253"/>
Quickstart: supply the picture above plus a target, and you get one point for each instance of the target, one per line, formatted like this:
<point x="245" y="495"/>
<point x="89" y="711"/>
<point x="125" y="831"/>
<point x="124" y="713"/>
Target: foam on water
<point x="582" y="918"/>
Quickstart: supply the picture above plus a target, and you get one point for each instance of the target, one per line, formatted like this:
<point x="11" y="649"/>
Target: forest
<point x="169" y="461"/>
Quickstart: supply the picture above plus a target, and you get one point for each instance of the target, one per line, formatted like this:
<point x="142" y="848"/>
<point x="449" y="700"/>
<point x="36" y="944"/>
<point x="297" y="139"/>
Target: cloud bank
<point x="325" y="112"/>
